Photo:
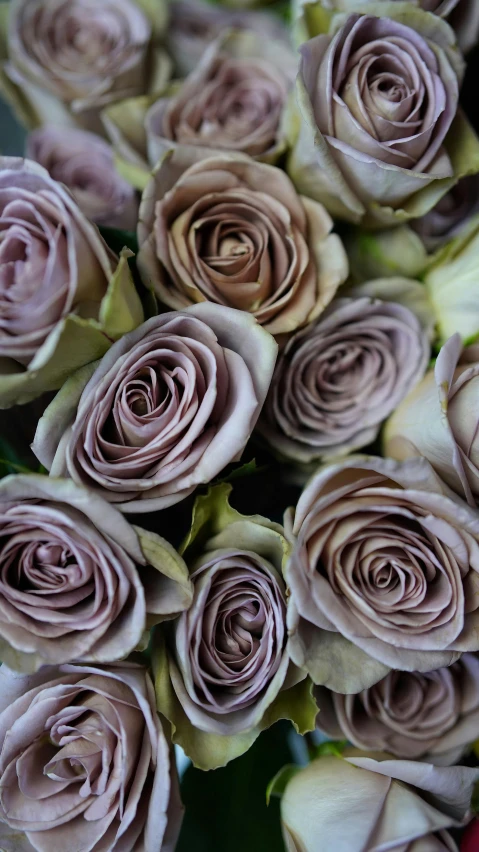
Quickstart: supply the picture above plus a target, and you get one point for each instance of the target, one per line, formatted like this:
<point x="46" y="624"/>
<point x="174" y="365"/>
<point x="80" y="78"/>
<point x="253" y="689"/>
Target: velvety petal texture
<point x="447" y="219"/>
<point x="339" y="378"/>
<point x="84" y="762"/>
<point x="167" y="409"/>
<point x="84" y="163"/>
<point x="376" y="99"/>
<point x="234" y="232"/>
<point x="432" y="715"/>
<point x="383" y="573"/>
<point x="391" y="806"/>
<point x="77" y="582"/>
<point x="63" y="295"/>
<point x="223" y="670"/>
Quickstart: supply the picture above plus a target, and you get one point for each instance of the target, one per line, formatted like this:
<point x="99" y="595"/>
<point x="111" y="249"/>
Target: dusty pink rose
<point x="84" y="163"/>
<point x="168" y="407"/>
<point x="383" y="573"/>
<point x="409" y="714"/>
<point x="450" y="215"/>
<point x="77" y="581"/>
<point x="340" y="377"/>
<point x="462" y="15"/>
<point x="84" y="762"/>
<point x="233" y="231"/>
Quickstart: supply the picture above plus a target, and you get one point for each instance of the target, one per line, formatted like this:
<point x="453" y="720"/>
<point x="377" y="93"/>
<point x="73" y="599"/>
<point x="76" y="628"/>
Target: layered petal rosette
<point x="432" y="715"/>
<point x="383" y="573"/>
<point x="84" y="762"/>
<point x="376" y="98"/>
<point x="63" y="295"/>
<point x="450" y="215"/>
<point x="84" y="163"/>
<point x="232" y="231"/>
<point x="223" y="672"/>
<point x="167" y="409"/>
<point x="360" y="803"/>
<point x="77" y="582"/>
<point x="339" y="378"/>
<point x="67" y="59"/>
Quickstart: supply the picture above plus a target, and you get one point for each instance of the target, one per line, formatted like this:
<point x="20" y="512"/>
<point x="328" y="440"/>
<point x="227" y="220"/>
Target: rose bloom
<point x="63" y="296"/>
<point x="77" y="581"/>
<point x="409" y="714"/>
<point x="232" y="231"/>
<point x="84" y="163"/>
<point x="383" y="573"/>
<point x="166" y="410"/>
<point x="358" y="803"/>
<point x="84" y="762"/>
<point x="340" y="377"/>
<point x="376" y="99"/>
<point x="69" y="58"/>
<point x="439" y="420"/>
<point x="447" y="219"/>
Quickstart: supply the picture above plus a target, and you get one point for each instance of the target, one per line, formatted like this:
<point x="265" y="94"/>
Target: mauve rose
<point x="194" y="25"/>
<point x="222" y="670"/>
<point x="69" y="58"/>
<point x="165" y="410"/>
<point x="361" y="804"/>
<point x="376" y="100"/>
<point x="383" y="574"/>
<point x="232" y="231"/>
<point x="341" y="376"/>
<point x="63" y="295"/>
<point x="84" y="762"/>
<point x="450" y="214"/>
<point x="439" y="420"/>
<point x="77" y="581"/>
<point x="409" y="714"/>
<point x="84" y="163"/>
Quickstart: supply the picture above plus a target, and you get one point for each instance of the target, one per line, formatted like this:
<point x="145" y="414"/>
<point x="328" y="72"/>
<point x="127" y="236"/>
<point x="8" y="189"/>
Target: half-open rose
<point x="223" y="671"/>
<point x="232" y="231"/>
<point x="383" y="573"/>
<point x="409" y="714"/>
<point x="84" y="762"/>
<point x="166" y="410"/>
<point x="77" y="582"/>
<point x="63" y="295"/>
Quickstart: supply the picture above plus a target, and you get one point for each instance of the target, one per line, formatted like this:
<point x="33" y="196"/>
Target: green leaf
<point x="241" y="821"/>
<point x="330" y="748"/>
<point x="278" y="784"/>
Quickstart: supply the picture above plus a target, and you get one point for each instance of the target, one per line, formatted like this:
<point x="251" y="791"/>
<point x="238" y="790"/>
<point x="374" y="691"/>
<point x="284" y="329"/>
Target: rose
<point x="194" y="25"/>
<point x="409" y="714"/>
<point x="439" y="420"/>
<point x="470" y="838"/>
<point x="69" y="58"/>
<point x="84" y="761"/>
<point x="376" y="99"/>
<point x="233" y="231"/>
<point x="383" y="573"/>
<point x="77" y="581"/>
<point x="340" y="377"/>
<point x="358" y="803"/>
<point x="84" y="163"/>
<point x="165" y="410"/>
<point x="63" y="295"/>
<point x="223" y="673"/>
<point x="447" y="219"/>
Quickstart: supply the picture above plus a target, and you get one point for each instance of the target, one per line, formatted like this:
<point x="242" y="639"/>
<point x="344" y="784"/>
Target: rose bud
<point x="84" y="163"/>
<point x="63" y="295"/>
<point x="376" y="98"/>
<point x="165" y="410"/>
<point x="448" y="218"/>
<point x="337" y="380"/>
<point x="223" y="672"/>
<point x="67" y="59"/>
<point x="382" y="574"/>
<point x="78" y="582"/>
<point x="232" y="231"/>
<point x="194" y="25"/>
<point x="439" y="420"/>
<point x="360" y="803"/>
<point x="433" y="716"/>
<point x="84" y="762"/>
